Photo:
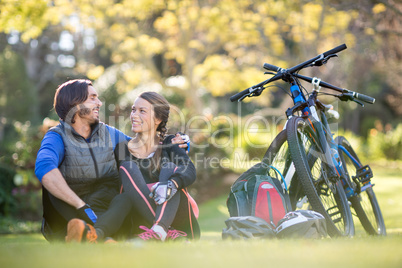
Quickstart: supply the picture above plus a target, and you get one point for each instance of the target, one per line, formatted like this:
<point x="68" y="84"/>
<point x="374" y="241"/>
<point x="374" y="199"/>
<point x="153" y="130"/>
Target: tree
<point x="375" y="68"/>
<point x="197" y="53"/>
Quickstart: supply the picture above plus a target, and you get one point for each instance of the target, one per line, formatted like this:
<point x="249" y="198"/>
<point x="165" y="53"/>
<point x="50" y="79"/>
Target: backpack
<point x="255" y="193"/>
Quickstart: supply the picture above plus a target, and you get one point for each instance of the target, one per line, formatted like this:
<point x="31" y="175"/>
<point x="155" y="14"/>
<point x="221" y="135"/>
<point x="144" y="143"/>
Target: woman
<point x="155" y="173"/>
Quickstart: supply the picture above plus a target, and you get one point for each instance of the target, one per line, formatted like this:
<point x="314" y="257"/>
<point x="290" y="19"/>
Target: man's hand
<point x="183" y="140"/>
<point x="163" y="191"/>
<point x="87" y="214"/>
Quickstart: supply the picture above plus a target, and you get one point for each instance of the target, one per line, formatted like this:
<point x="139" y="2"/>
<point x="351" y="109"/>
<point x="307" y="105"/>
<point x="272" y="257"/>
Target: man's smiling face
<point x="89" y="109"/>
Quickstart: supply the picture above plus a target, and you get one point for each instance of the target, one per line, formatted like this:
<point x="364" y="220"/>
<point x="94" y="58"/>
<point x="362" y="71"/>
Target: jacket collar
<point x="68" y="128"/>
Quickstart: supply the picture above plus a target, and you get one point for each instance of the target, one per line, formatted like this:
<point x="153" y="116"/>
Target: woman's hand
<point x="163" y="191"/>
<point x="183" y="140"/>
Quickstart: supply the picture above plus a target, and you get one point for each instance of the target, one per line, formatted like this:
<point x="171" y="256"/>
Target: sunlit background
<point x="197" y="54"/>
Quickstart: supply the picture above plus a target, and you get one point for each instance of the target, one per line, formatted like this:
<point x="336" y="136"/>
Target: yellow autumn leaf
<point x="95" y="72"/>
<point x="369" y="31"/>
<point x="196" y="44"/>
<point x="378" y="8"/>
<point x="133" y="76"/>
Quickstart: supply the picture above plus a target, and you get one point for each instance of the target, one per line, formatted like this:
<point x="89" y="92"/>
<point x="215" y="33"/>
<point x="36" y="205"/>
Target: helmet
<point x="247" y="227"/>
<point x="302" y="223"/>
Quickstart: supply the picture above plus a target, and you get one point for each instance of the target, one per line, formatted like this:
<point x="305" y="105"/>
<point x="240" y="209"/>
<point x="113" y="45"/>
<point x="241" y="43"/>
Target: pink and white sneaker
<point x="173" y="234"/>
<point x="149" y="234"/>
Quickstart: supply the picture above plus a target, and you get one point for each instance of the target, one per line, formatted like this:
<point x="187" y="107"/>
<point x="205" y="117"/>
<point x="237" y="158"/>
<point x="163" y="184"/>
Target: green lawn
<point x="361" y="251"/>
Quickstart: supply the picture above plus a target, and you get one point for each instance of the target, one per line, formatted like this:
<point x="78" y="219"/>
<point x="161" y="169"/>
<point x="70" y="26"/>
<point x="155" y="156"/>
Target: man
<point x="77" y="168"/>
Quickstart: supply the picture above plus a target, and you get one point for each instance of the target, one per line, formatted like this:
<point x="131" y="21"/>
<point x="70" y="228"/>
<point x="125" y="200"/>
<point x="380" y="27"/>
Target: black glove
<point x="87" y="214"/>
<point x="163" y="191"/>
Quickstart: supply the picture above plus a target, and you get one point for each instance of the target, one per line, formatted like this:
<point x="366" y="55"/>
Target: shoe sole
<point x="110" y="240"/>
<point x="75" y="230"/>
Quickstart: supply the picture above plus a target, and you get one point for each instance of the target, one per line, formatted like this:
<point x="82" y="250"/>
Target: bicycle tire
<point x="365" y="203"/>
<point x="325" y="196"/>
<point x="274" y="148"/>
<point x="278" y="156"/>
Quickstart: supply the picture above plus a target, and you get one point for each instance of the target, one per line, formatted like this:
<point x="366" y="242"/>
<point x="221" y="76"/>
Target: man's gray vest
<point x="87" y="163"/>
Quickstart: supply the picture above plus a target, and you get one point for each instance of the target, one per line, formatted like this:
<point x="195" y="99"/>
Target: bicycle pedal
<point x="363" y="174"/>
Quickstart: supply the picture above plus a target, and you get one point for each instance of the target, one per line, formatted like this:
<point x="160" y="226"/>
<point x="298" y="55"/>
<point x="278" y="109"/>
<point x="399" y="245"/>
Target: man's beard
<point x="84" y="111"/>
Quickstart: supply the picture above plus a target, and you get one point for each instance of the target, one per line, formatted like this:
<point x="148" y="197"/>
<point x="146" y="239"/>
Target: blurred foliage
<point x="382" y="143"/>
<point x="214" y="45"/>
<point x="20" y="197"/>
<point x="7" y="201"/>
<point x="385" y="143"/>
<point x="22" y="226"/>
<point x="217" y="47"/>
<point x="15" y="95"/>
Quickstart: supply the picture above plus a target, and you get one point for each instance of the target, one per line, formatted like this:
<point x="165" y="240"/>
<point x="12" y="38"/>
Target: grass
<point x="358" y="252"/>
<point x="361" y="251"/>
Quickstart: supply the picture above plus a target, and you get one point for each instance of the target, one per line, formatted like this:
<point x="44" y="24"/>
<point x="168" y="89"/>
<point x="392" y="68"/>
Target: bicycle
<point x="314" y="159"/>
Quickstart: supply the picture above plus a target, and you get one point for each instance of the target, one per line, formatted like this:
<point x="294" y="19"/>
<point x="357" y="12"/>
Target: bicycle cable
<point x="322" y="93"/>
<point x="328" y="94"/>
<point x="283" y="89"/>
<point x="297" y="81"/>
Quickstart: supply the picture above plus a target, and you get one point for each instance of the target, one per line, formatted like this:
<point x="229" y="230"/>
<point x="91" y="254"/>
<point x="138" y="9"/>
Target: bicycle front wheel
<point x="365" y="203"/>
<point x="278" y="156"/>
<point x="324" y="194"/>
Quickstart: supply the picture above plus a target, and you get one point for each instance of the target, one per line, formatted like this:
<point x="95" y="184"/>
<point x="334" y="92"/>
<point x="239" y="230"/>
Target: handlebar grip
<point x="239" y="95"/>
<point x="364" y="98"/>
<point x="271" y="67"/>
<point x="335" y="50"/>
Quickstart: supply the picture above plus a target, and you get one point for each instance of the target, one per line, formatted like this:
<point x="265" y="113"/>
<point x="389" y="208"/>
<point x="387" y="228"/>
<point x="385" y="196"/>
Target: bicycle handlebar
<point x="239" y="95"/>
<point x="348" y="93"/>
<point x="319" y="57"/>
<point x="271" y="67"/>
<point x="351" y="95"/>
<point x="255" y="90"/>
<point x="318" y="60"/>
<point x="322" y="83"/>
<point x="279" y="70"/>
<point x="335" y="50"/>
<point x="364" y="98"/>
<point x="300" y="66"/>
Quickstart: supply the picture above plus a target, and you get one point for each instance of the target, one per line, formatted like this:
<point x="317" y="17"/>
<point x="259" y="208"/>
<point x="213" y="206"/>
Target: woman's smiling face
<point x="143" y="117"/>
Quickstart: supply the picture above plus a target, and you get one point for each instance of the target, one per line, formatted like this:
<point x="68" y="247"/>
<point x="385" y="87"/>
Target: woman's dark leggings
<point x="176" y="213"/>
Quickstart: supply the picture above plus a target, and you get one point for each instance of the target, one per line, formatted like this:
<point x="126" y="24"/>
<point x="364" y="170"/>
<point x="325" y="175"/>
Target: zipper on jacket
<point x="95" y="163"/>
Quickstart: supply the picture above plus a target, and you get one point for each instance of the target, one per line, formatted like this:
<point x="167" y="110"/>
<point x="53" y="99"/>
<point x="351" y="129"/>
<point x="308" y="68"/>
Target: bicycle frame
<point x="321" y="131"/>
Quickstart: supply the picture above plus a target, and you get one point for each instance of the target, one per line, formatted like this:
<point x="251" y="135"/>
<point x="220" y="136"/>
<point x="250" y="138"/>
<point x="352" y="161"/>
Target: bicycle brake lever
<point x="323" y="61"/>
<point x="257" y="92"/>
<point x="345" y="96"/>
<point x="349" y="97"/>
<point x="358" y="102"/>
<point x="243" y="97"/>
<point x="270" y="73"/>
